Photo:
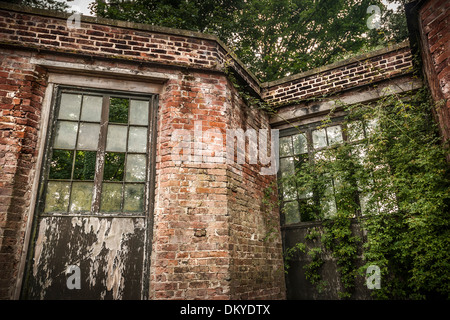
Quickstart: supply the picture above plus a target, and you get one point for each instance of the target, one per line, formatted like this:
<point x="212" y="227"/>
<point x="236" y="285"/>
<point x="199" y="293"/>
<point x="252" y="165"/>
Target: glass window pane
<point x="66" y="135"/>
<point x="139" y="112"/>
<point x="69" y="107"/>
<point x="364" y="200"/>
<point x="118" y="110"/>
<point x="319" y="138"/>
<point x="291" y="213"/>
<point x="92" y="108"/>
<point x="88" y="136"/>
<point x="371" y="126"/>
<point x="134" y="198"/>
<point x="81" y="197"/>
<point x="117" y="138"/>
<point x="287" y="166"/>
<point x="136" y="167"/>
<point x="328" y="208"/>
<point x="57" y="196"/>
<point x="61" y="164"/>
<point x="328" y="202"/>
<point x="111" y="197"/>
<point x="114" y="166"/>
<point x="84" y="165"/>
<point x="285" y="146"/>
<point x="289" y="189"/>
<point x="137" y="139"/>
<point x="334" y="135"/>
<point x="300" y="145"/>
<point x="304" y="192"/>
<point x="355" y="130"/>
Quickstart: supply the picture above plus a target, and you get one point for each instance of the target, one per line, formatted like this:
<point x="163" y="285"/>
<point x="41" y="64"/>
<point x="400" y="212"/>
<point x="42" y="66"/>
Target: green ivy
<point x="405" y="178"/>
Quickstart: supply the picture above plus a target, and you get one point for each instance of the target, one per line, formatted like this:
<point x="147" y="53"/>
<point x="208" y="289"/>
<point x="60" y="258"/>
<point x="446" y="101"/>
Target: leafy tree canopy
<point x="58" y="5"/>
<point x="274" y="38"/>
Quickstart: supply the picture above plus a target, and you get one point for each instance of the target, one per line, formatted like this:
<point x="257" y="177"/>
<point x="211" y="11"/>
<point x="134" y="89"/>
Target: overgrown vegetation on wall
<point x="395" y="184"/>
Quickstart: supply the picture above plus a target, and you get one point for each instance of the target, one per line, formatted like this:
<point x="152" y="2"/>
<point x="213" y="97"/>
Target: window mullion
<point x="100" y="155"/>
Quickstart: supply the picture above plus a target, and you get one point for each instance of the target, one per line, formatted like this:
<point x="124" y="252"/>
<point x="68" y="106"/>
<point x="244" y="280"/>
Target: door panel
<point x="108" y="251"/>
<point x="92" y="223"/>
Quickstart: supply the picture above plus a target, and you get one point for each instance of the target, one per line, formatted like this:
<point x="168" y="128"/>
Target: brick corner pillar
<point x="209" y="223"/>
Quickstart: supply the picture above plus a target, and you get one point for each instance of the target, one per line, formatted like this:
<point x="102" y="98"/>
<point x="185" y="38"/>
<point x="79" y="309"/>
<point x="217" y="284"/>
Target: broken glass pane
<point x="285" y="146"/>
<point x="137" y="139"/>
<point x="334" y="135"/>
<point x="139" y="112"/>
<point x="57" y="196"/>
<point x="111" y="197"/>
<point x="117" y="138"/>
<point x="134" y="198"/>
<point x="319" y="138"/>
<point x="92" y="108"/>
<point x="136" y="167"/>
<point x="291" y="214"/>
<point x="114" y="166"/>
<point x="118" y="110"/>
<point x="84" y="165"/>
<point x="300" y="145"/>
<point x="88" y="136"/>
<point x="66" y="135"/>
<point x="69" y="108"/>
<point x="81" y="197"/>
<point x="61" y="164"/>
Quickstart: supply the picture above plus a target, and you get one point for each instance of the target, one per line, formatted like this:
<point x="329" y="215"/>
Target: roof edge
<point x="337" y="64"/>
<point x="131" y="25"/>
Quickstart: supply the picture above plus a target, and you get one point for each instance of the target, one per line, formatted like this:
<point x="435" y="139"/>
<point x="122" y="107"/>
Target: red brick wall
<point x="255" y="238"/>
<point x="22" y="87"/>
<point x="197" y="228"/>
<point x="210" y="222"/>
<point x="190" y="257"/>
<point x="434" y="16"/>
<point x="359" y="71"/>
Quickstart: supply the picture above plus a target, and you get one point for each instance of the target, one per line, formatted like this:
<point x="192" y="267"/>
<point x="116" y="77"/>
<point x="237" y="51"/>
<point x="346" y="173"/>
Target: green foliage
<point x="403" y="178"/>
<point x="57" y="5"/>
<point x="410" y="240"/>
<point x="274" y="38"/>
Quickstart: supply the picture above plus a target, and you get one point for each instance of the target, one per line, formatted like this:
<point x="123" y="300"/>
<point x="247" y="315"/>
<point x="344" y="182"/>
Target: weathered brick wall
<point x="210" y="224"/>
<point x="434" y="25"/>
<point x="22" y="88"/>
<point x="255" y="238"/>
<point x="351" y="73"/>
<point x="195" y="223"/>
<point x="190" y="257"/>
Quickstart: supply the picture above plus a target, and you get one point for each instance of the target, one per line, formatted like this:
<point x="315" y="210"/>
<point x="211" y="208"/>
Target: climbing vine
<point x="394" y="186"/>
<point x="392" y="198"/>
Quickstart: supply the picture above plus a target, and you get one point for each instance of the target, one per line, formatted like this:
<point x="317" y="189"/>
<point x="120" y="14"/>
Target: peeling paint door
<point x="92" y="225"/>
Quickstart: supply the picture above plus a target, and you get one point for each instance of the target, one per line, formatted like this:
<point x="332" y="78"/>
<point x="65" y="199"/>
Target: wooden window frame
<point x="307" y="130"/>
<point x="149" y="182"/>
